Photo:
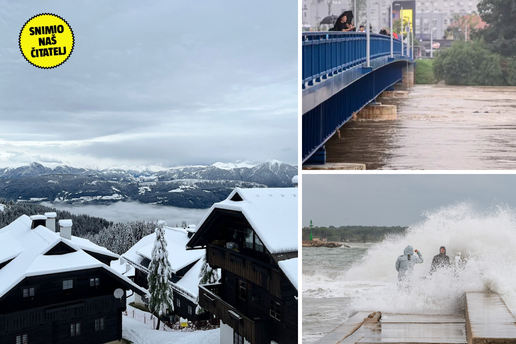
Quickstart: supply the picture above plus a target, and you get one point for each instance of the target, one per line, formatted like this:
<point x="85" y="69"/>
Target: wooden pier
<point x="486" y="320"/>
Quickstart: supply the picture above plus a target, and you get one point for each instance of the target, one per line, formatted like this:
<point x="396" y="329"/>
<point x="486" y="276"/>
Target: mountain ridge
<point x="188" y="187"/>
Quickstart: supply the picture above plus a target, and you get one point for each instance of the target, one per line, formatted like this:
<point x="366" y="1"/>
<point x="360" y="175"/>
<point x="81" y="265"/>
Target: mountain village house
<point x="186" y="268"/>
<point x="252" y="237"/>
<point x="57" y="288"/>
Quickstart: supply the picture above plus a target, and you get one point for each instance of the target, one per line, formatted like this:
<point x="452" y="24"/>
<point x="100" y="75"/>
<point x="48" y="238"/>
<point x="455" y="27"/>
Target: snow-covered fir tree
<point x="208" y="275"/>
<point x="159" y="274"/>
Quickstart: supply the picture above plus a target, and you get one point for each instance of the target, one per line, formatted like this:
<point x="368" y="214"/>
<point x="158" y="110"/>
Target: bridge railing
<point x="327" y="53"/>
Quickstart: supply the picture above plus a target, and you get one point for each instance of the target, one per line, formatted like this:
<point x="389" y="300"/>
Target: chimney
<point x="51" y="221"/>
<point x="66" y="229"/>
<point x="38" y="220"/>
<point x="191" y="229"/>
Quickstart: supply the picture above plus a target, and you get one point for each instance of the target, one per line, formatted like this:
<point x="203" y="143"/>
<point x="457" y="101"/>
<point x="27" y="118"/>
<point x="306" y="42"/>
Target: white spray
<point x="482" y="250"/>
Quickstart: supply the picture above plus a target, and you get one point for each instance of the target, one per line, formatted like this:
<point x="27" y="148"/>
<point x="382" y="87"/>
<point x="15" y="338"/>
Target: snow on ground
<point x="2" y="207"/>
<point x="140" y="333"/>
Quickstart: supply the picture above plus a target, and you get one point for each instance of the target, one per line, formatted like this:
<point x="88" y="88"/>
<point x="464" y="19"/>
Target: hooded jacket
<point x="405" y="262"/>
<point x="440" y="260"/>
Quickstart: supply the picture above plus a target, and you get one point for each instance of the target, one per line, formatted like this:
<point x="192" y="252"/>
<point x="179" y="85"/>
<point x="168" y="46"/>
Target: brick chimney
<point x="51" y="221"/>
<point x="66" y="229"/>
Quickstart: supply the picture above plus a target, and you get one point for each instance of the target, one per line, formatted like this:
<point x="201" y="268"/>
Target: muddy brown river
<point x="438" y="128"/>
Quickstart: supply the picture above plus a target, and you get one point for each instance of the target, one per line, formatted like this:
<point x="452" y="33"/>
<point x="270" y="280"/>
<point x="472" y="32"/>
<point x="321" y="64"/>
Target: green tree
<point x="468" y="64"/>
<point x="500" y="33"/>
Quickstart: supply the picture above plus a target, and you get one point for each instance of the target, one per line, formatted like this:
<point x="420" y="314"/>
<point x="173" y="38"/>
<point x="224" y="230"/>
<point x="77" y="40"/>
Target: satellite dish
<point x="118" y="293"/>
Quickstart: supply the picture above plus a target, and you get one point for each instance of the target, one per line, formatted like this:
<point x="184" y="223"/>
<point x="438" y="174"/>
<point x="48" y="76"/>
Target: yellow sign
<point x="46" y="40"/>
<point x="407" y="20"/>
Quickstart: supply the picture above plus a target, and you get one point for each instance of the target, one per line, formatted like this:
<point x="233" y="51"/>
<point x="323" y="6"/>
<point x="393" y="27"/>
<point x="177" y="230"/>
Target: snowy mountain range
<point x="188" y="187"/>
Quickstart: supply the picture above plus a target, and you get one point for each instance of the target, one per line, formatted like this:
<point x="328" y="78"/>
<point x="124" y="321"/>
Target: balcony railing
<point x="254" y="330"/>
<point x="251" y="269"/>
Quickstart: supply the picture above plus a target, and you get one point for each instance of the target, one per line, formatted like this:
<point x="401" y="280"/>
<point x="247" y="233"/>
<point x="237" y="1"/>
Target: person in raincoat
<point x="441" y="260"/>
<point x="405" y="264"/>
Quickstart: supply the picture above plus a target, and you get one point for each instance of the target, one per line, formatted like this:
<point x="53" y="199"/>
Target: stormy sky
<point x="153" y="83"/>
<point x="391" y="200"/>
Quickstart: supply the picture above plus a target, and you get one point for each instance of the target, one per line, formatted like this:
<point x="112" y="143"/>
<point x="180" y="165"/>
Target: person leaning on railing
<point x="343" y="25"/>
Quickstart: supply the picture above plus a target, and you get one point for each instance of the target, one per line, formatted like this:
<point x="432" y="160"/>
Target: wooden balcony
<point x="254" y="330"/>
<point x="246" y="267"/>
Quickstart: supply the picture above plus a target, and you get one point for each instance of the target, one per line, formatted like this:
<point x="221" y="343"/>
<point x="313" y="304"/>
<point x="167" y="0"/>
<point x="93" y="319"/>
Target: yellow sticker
<point x="46" y="40"/>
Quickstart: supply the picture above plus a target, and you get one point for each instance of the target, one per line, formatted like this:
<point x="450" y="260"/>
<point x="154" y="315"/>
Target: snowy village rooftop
<point x="290" y="268"/>
<point x="178" y="256"/>
<point x="272" y="212"/>
<point x="23" y="253"/>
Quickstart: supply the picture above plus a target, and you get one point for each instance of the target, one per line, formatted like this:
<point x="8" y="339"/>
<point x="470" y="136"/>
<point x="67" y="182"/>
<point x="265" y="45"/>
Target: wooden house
<point x="252" y="237"/>
<point x="185" y="265"/>
<point x="57" y="288"/>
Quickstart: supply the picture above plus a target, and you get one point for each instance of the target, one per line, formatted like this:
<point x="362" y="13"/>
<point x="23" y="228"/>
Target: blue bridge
<point x="337" y="82"/>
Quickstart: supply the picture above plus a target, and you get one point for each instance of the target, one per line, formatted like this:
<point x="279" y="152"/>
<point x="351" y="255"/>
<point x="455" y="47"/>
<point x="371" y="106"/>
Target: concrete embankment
<point x="486" y="320"/>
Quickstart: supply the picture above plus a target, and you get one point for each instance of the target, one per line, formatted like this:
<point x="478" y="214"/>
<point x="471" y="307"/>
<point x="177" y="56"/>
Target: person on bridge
<point x="405" y="264"/>
<point x="440" y="261"/>
<point x="344" y="22"/>
<point x="361" y="29"/>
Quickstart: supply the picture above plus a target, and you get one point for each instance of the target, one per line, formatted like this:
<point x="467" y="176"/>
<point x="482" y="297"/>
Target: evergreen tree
<point x="208" y="275"/>
<point x="159" y="274"/>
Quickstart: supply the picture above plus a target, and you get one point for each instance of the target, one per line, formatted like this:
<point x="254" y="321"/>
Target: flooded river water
<point x="438" y="128"/>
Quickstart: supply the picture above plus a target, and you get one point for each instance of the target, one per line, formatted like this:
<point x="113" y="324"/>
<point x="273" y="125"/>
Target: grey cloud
<point x="138" y="68"/>
<point x="397" y="199"/>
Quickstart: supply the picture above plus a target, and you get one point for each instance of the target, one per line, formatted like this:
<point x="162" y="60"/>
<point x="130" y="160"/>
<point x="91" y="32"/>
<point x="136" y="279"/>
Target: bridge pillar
<point x="408" y="75"/>
<point x="378" y="111"/>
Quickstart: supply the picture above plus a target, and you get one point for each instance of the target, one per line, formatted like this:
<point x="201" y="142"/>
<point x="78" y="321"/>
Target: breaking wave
<point x="482" y="251"/>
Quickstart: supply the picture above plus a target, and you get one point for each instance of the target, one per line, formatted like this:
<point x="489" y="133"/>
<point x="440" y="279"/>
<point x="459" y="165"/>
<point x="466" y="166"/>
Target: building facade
<point x="313" y="11"/>
<point x="252" y="238"/>
<point x="53" y="289"/>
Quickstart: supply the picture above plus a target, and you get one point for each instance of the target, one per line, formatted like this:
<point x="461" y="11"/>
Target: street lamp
<point x="401" y="27"/>
<point x="368" y="38"/>
<point x="432" y="29"/>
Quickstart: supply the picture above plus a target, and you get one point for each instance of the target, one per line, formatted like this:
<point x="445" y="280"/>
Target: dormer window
<point x="252" y="241"/>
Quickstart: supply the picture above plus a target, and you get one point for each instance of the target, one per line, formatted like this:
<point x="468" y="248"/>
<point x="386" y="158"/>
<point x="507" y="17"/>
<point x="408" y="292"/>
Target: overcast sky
<point x="163" y="82"/>
<point x="391" y="200"/>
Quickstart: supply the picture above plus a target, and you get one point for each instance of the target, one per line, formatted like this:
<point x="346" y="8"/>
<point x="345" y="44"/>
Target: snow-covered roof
<point x="290" y="268"/>
<point x="87" y="245"/>
<point x="190" y="281"/>
<point x="28" y="248"/>
<point x="272" y="213"/>
<point x="178" y="256"/>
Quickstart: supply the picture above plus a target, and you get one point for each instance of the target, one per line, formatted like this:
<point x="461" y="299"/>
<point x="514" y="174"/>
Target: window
<point x="28" y="292"/>
<point x="23" y="339"/>
<point x="242" y="289"/>
<point x="275" y="310"/>
<point x="178" y="303"/>
<point x="94" y="282"/>
<point x="99" y="324"/>
<point x="190" y="310"/>
<point x="68" y="284"/>
<point x="75" y="329"/>
<point x="249" y="238"/>
<point x="237" y="339"/>
<point x="252" y="241"/>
